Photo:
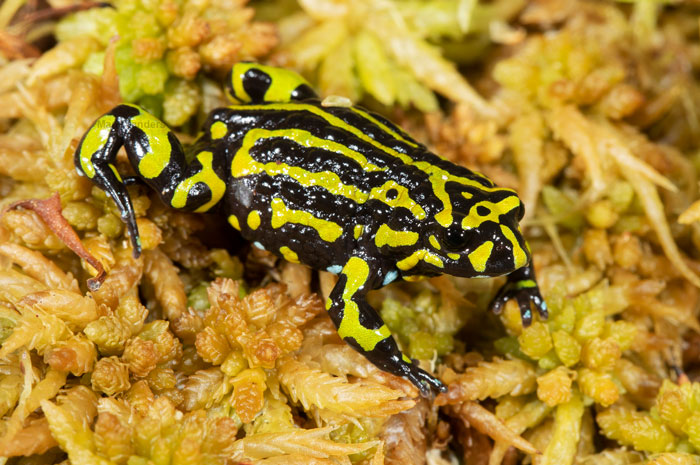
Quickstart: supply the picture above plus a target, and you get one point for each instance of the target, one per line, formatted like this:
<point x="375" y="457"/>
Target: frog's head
<point x="479" y="237"/>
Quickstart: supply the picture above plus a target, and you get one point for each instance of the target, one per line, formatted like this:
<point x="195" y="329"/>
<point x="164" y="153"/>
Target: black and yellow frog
<point x="332" y="186"/>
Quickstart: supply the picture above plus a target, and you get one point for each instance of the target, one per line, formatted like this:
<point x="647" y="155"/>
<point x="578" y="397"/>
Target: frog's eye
<point x="455" y="238"/>
<point x="521" y="211"/>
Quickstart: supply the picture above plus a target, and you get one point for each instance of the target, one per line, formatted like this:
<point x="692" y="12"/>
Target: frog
<point x="330" y="185"/>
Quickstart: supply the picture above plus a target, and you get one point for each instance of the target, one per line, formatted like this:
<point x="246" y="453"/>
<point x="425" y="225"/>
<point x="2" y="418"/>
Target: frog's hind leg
<point x="157" y="158"/>
<point x="255" y="83"/>
<point x="361" y="327"/>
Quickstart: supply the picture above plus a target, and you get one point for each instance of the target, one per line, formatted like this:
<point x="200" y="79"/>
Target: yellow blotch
<point x="218" y="130"/>
<point x="480" y="256"/>
<point x="387" y="236"/>
<point x="238" y="71"/>
<point x="411" y="261"/>
<point x="519" y="255"/>
<point x="434" y="260"/>
<point x="233" y="221"/>
<point x="421" y="254"/>
<point x="253" y="220"/>
<point x="289" y="254"/>
<point x="496" y="209"/>
<point x="434" y="242"/>
<point x="453" y="256"/>
<point x="414" y="278"/>
<point x="357" y="272"/>
<point x="159" y="149"/>
<point x="281" y="215"/>
<point x="284" y="82"/>
<point x="205" y="176"/>
<point x="403" y="199"/>
<point x="357" y="232"/>
<point x="94" y="140"/>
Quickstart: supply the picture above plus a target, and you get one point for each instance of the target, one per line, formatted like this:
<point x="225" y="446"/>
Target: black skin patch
<point x="482" y="211"/>
<point x="256" y="84"/>
<point x="303" y="92"/>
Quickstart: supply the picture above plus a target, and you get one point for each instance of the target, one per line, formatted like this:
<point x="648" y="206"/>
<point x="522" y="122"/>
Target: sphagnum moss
<point x="585" y="107"/>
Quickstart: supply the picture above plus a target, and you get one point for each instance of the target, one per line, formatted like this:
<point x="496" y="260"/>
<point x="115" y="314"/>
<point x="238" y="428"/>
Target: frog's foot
<point x="526" y="293"/>
<point x="424" y="381"/>
<point x="400" y="365"/>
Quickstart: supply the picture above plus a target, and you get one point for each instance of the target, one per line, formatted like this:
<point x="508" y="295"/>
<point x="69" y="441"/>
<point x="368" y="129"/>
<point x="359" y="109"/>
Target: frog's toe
<point x="424" y="381"/>
<point x="402" y="366"/>
<point x="500" y="300"/>
<point x="540" y="304"/>
<point x="525" y="297"/>
<point x="525" y="310"/>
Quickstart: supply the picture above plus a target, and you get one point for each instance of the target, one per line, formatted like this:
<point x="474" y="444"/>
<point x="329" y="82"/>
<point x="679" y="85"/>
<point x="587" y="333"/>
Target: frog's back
<point x="307" y="180"/>
<point x="299" y="176"/>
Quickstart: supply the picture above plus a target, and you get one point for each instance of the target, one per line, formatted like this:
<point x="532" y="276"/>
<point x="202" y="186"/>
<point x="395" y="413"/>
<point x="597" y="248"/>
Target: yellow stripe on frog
<point x="206" y="176"/>
<point x="281" y="215"/>
<point x="159" y="151"/>
<point x="387" y="236"/>
<point x="519" y="255"/>
<point x="244" y="164"/>
<point x="417" y="256"/>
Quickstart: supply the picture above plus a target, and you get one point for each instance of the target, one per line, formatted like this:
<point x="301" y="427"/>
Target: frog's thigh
<point x="357" y="321"/>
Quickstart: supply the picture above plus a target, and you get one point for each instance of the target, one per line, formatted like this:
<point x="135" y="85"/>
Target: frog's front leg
<point x="361" y="327"/>
<point x="157" y="158"/>
<point x="522" y="286"/>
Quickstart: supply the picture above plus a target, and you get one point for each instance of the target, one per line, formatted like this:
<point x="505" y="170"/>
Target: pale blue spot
<point x="335" y="269"/>
<point x="390" y="277"/>
<point x="259" y="245"/>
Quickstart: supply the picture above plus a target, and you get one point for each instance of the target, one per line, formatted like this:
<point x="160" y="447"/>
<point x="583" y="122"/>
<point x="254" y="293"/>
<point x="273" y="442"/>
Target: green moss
<point x="110" y="225"/>
<point x="509" y="345"/>
<point x="197" y="297"/>
<point x="425" y="346"/>
<point x="148" y="31"/>
<point x="399" y="318"/>
<point x="225" y="265"/>
<point x="562" y="206"/>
